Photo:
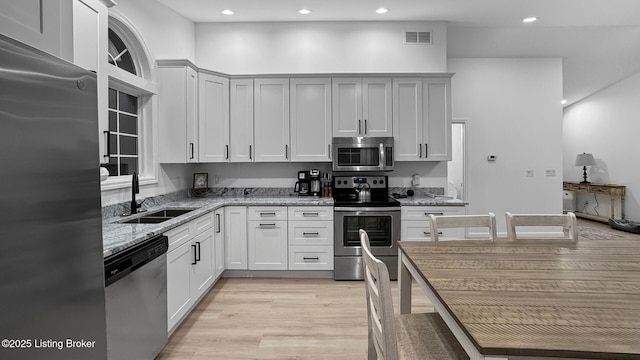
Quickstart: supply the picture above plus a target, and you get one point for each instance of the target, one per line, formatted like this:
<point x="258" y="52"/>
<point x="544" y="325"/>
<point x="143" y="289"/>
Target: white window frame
<point x="145" y="88"/>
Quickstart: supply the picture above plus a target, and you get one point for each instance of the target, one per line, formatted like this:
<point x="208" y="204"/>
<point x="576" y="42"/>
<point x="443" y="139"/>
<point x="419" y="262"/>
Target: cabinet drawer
<point x="271" y="213"/>
<point x="310" y="212"/>
<point x="310" y="257"/>
<point x="202" y="223"/>
<point x="422" y="212"/>
<point x="179" y="235"/>
<point x="421" y="231"/>
<point x="310" y="232"/>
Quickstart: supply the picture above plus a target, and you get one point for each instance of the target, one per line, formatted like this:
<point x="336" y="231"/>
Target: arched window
<point x="131" y="95"/>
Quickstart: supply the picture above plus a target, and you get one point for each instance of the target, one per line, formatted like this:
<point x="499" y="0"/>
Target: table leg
<point x="404" y="285"/>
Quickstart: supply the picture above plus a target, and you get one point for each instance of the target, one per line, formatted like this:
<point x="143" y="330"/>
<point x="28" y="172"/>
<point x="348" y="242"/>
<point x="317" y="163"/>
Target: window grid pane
<point x="123" y="125"/>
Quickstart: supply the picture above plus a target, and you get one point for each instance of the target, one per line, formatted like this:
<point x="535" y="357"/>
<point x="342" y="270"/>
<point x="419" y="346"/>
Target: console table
<point x="616" y="192"/>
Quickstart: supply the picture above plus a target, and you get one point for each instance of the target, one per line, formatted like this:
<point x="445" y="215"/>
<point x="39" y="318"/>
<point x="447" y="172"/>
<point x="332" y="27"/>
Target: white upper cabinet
<point x="422" y="119"/>
<point x="241" y="120"/>
<point x="362" y="107"/>
<point x="178" y="112"/>
<point x="271" y="120"/>
<point x="34" y="22"/>
<point x="213" y="118"/>
<point x="310" y="119"/>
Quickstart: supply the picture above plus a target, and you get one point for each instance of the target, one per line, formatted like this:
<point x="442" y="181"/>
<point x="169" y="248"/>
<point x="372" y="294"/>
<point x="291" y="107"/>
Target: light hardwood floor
<point x="253" y="318"/>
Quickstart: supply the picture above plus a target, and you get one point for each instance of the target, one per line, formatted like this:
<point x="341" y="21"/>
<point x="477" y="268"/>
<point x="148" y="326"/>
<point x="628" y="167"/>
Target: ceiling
<point x="598" y="40"/>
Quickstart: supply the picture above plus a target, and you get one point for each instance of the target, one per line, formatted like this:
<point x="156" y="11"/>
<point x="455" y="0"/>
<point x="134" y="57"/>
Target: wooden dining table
<point x="533" y="299"/>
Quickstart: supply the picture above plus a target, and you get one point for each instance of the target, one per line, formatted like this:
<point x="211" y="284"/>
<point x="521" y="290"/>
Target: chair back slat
<point x="568" y="222"/>
<point x="462" y="221"/>
<point x="379" y="303"/>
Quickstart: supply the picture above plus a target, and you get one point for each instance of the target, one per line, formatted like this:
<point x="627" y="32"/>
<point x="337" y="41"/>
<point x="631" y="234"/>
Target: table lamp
<point x="585" y="160"/>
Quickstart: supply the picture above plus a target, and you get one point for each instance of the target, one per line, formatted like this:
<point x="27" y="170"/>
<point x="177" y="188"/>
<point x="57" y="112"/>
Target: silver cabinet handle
<point x="311" y="233"/>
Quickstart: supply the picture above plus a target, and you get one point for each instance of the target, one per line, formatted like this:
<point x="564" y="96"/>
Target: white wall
<point x="318" y="47"/>
<point x="606" y="125"/>
<point x="165" y="34"/>
<point x="514" y="112"/>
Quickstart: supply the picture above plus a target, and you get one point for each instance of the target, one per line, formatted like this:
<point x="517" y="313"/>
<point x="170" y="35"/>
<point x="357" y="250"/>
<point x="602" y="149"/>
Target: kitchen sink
<point x="157" y="216"/>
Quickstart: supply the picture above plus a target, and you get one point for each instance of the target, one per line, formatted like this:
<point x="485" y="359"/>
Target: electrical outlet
<point x="529" y="172"/>
<point x="216" y="180"/>
<point x="550" y="172"/>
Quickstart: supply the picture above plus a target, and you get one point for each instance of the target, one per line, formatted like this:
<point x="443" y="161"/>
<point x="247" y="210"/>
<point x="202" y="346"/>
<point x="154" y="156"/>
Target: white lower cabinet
<point x="415" y="225"/>
<point x="190" y="266"/>
<point x="235" y="235"/>
<point x="267" y="238"/>
<point x="310" y="233"/>
<point x="218" y="243"/>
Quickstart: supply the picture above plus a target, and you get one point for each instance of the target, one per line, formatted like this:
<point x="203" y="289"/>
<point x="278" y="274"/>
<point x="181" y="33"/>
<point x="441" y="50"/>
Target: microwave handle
<point x="382" y="157"/>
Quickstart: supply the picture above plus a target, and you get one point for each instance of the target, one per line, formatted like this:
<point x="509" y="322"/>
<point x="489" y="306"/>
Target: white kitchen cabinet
<point x="213" y="118"/>
<point x="311" y="238"/>
<point x="310" y="119"/>
<point x="422" y="119"/>
<point x="190" y="271"/>
<point x="241" y="120"/>
<point x="267" y="237"/>
<point x="218" y="243"/>
<point x="362" y="107"/>
<point x="271" y="120"/>
<point x="235" y="234"/>
<point x="178" y="112"/>
<point x="35" y="22"/>
<point x="90" y="51"/>
<point x="415" y="226"/>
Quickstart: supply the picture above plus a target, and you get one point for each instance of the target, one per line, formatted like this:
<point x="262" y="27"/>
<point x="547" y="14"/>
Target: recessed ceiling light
<point x="382" y="11"/>
<point x="305" y="11"/>
<point x="227" y="12"/>
<point x="563" y="101"/>
<point x="530" y="19"/>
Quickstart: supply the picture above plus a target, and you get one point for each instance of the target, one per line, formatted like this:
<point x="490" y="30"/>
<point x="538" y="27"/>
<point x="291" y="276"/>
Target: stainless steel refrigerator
<point x="51" y="263"/>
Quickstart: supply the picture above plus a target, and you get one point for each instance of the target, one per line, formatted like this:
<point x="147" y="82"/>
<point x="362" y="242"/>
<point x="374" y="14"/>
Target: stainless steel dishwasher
<point x="136" y="301"/>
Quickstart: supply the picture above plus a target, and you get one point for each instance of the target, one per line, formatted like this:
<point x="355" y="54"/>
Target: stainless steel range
<point x="363" y="202"/>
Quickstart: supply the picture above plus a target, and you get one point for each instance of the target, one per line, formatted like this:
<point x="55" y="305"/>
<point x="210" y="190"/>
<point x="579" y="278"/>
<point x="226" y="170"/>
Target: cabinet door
<point x="90" y="41"/>
<point x="179" y="272"/>
<point x="177" y="103"/>
<point x="376" y="107"/>
<point x="268" y="245"/>
<point x="271" y="119"/>
<point x="235" y="230"/>
<point x="241" y="120"/>
<point x="346" y="95"/>
<point x="34" y="22"/>
<point x="213" y="118"/>
<point x="407" y="119"/>
<point x="437" y="113"/>
<point x="218" y="243"/>
<point x="202" y="246"/>
<point x="311" y="119"/>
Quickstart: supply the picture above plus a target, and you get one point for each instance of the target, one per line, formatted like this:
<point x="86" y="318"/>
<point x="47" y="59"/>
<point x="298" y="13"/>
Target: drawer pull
<point x="268" y="225"/>
<point x="433" y="213"/>
<point x="429" y="233"/>
<point x="267" y="214"/>
<point x="311" y="233"/>
<point x="305" y="214"/>
<point x="316" y="258"/>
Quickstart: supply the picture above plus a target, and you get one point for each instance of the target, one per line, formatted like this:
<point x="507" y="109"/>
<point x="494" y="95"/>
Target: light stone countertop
<point x="430" y="201"/>
<point x="117" y="237"/>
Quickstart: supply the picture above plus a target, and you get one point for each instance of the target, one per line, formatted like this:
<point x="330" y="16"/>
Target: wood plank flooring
<point x="252" y="318"/>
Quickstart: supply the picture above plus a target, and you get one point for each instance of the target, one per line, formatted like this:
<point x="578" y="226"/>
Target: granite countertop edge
<point x="117" y="237"/>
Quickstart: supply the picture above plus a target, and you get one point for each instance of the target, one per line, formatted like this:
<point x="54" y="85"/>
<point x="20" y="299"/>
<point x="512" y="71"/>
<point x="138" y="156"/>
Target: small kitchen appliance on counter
<point x="303" y="185"/>
<point x="363" y="202"/>
<point x="315" y="184"/>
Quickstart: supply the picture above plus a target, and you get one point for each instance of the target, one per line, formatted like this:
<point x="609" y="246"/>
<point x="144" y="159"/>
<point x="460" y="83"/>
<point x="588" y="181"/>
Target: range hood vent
<point x="417" y="38"/>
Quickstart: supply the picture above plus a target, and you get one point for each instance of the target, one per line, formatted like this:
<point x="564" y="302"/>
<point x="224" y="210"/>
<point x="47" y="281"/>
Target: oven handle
<point x="361" y="210"/>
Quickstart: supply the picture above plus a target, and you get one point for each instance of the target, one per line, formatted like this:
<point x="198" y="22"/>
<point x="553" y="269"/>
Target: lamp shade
<point x="585" y="159"/>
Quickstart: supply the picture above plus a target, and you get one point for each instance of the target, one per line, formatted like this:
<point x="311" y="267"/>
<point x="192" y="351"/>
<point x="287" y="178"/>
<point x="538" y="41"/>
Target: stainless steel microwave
<point x="362" y="153"/>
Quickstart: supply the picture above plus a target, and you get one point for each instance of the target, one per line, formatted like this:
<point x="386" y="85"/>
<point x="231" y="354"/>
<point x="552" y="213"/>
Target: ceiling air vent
<point x="417" y="38"/>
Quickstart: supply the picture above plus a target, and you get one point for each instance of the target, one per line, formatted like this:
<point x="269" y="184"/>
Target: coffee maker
<point x="303" y="185"/>
<point x="315" y="188"/>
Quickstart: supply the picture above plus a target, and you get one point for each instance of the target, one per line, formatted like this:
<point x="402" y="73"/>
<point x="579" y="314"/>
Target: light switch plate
<point x="529" y="172"/>
<point x="550" y="172"/>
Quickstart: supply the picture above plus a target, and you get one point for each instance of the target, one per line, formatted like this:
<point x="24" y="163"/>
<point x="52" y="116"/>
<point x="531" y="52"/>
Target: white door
<point x="34" y="22"/>
<point x="241" y="120"/>
<point x="407" y="119"/>
<point x="203" y="270"/>
<point x="271" y="119"/>
<point x="376" y="107"/>
<point x="192" y="116"/>
<point x="218" y="246"/>
<point x="179" y="272"/>
<point x="346" y="94"/>
<point x="213" y="119"/>
<point x="268" y="245"/>
<point x="436" y="104"/>
<point x="235" y="234"/>
<point x="311" y="119"/>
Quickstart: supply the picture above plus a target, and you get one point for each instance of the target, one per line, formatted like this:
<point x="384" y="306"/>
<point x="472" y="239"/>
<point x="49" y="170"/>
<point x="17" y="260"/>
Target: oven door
<point x="381" y="224"/>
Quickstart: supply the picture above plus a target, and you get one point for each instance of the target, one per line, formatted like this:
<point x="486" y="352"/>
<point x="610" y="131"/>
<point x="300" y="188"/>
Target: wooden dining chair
<point x="462" y="221"/>
<point x="407" y="336"/>
<point x="567" y="221"/>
